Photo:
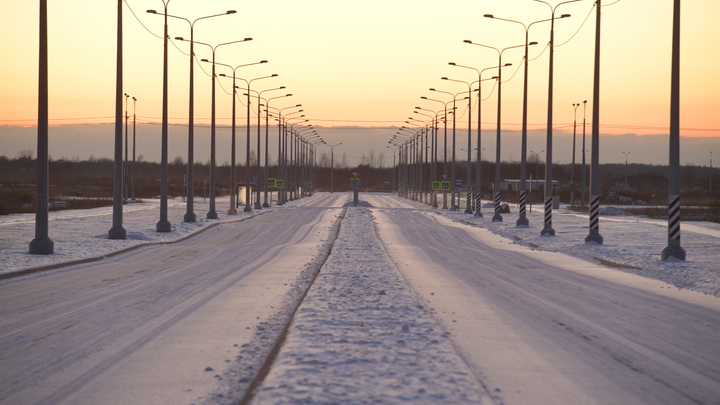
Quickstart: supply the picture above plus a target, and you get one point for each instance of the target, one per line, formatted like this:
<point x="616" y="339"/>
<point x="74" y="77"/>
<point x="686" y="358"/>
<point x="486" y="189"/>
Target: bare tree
<point x="371" y="160"/>
<point x="344" y="162"/>
<point x="324" y="160"/>
<point x="381" y="160"/>
<point x="253" y="157"/>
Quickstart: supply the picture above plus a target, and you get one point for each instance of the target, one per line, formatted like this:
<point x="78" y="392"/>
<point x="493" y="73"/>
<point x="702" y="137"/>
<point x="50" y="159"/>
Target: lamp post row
<point x="673" y="249"/>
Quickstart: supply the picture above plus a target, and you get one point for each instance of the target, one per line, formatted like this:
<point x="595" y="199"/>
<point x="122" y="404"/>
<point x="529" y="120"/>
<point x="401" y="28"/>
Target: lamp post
<point x="281" y="150"/>
<point x="548" y="229"/>
<point x="232" y="210"/>
<point x="452" y="167"/>
<point x="248" y="208"/>
<point x="572" y="173"/>
<point x="522" y="217"/>
<point x="133" y="165"/>
<point x="164" y="225"/>
<point x="258" y="206"/>
<point x="468" y="209"/>
<point x="267" y="146"/>
<point x="478" y="169"/>
<point x="496" y="198"/>
<point x="332" y="165"/>
<point x="117" y="231"/>
<point x="626" y="164"/>
<point x="594" y="219"/>
<point x="42" y="244"/>
<point x="126" y="177"/>
<point x="212" y="214"/>
<point x="673" y="249"/>
<point x="190" y="215"/>
<point x="537" y="174"/>
<point x="582" y="172"/>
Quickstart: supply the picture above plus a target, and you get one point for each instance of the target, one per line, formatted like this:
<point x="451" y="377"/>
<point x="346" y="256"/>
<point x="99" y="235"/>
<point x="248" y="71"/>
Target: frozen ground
<point x="411" y="305"/>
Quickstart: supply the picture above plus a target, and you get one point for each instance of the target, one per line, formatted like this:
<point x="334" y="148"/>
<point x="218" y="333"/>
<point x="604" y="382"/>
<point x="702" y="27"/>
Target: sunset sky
<point x="367" y="63"/>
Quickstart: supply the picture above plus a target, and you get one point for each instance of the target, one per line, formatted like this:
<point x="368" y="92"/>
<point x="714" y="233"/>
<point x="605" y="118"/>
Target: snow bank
<point x="362" y="336"/>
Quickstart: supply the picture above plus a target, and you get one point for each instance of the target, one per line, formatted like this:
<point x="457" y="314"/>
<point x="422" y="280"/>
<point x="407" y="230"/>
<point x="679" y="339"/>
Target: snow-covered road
<point x="476" y="314"/>
<point x="538" y="328"/>
<point x="162" y="324"/>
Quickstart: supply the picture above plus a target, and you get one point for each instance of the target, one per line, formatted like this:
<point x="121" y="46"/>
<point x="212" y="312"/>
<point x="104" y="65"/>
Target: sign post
<point x="355" y="184"/>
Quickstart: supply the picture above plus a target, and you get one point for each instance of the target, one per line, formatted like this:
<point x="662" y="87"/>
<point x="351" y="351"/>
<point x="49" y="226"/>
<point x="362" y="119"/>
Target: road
<point x="536" y="333"/>
<point x="158" y="325"/>
<point x="184" y="322"/>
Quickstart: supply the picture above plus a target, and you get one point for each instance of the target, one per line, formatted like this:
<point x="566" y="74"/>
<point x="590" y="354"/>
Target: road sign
<point x="445" y="185"/>
<point x="271" y="182"/>
<point x="444" y="176"/>
<point x="402" y="186"/>
<point x="309" y="184"/>
<point x="356" y="175"/>
<point x="279" y="183"/>
<point x="436" y="186"/>
<point x="458" y="182"/>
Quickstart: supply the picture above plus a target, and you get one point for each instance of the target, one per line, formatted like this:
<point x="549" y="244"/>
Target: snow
<point x="362" y="336"/>
<point x="398" y="312"/>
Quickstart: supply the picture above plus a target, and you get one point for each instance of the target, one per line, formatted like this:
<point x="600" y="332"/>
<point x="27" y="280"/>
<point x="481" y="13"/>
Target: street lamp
<point x="468" y="208"/>
<point x="232" y="210"/>
<point x="267" y="149"/>
<point x="190" y="215"/>
<point x="626" y="164"/>
<point x="212" y="214"/>
<point x="478" y="212"/>
<point x="42" y="244"/>
<point x="248" y="208"/>
<point x="133" y="165"/>
<point x="496" y="198"/>
<point x="126" y="177"/>
<point x="548" y="229"/>
<point x="452" y="168"/>
<point x="582" y="172"/>
<point x="572" y="173"/>
<point x="594" y="217"/>
<point x="522" y="217"/>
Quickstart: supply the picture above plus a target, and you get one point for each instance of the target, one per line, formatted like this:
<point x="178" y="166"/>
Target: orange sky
<point x="368" y="63"/>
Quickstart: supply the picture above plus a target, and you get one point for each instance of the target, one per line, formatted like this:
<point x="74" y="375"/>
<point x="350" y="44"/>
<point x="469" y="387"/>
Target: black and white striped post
<point x="522" y="218"/>
<point x="673" y="249"/>
<point x="434" y="194"/>
<point x="453" y="206"/>
<point x="445" y="200"/>
<point x="548" y="229"/>
<point x="594" y="231"/>
<point x="468" y="203"/>
<point x="477" y="204"/>
<point x="496" y="202"/>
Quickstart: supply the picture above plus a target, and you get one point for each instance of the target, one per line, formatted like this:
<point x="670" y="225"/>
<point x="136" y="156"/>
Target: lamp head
<point x="152" y="11"/>
<point x="533" y="43"/>
<point x="204" y="60"/>
<point x="443" y="78"/>
<point x="222" y="74"/>
<point x="288" y="95"/>
<point x="273" y="75"/>
<point x="179" y="38"/>
<point x="565" y="16"/>
<point x="282" y="87"/>
<point x="423" y="97"/>
<point x="451" y="63"/>
<point x="467" y="41"/>
<point x="263" y="61"/>
<point x="230" y="12"/>
<point x="489" y="16"/>
<point x="247" y="39"/>
<point x="433" y="90"/>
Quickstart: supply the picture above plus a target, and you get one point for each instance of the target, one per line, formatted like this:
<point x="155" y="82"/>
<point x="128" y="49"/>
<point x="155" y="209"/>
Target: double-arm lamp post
<point x="190" y="215"/>
<point x="478" y="170"/>
<point x="232" y="210"/>
<point x="266" y="204"/>
<point x="496" y="197"/>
